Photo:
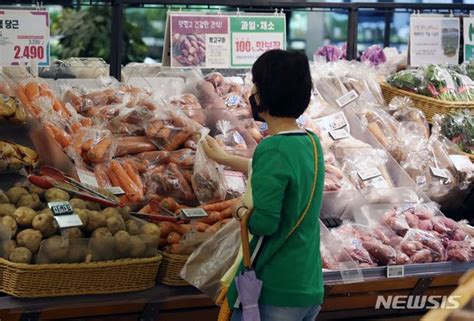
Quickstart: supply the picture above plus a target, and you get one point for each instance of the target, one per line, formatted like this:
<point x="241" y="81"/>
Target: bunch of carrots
<point x="172" y="233"/>
<point x="124" y="174"/>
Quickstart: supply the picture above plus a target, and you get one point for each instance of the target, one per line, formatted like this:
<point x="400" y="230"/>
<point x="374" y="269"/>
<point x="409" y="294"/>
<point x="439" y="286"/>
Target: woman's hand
<point x="214" y="150"/>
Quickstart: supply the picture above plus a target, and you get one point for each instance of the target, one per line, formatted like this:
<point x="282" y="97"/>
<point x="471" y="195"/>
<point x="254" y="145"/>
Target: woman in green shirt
<point x="286" y="192"/>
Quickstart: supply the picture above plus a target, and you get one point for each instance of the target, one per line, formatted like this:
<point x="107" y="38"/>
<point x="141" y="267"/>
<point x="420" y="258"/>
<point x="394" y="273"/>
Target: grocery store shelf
<point x="411" y="270"/>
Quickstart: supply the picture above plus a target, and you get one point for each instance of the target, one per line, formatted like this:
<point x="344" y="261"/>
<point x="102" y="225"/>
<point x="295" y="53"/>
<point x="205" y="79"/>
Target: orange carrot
<point x="101" y="175"/>
<point x="133" y="174"/>
<point x="97" y="152"/>
<point x="32" y="91"/>
<point x="63" y="138"/>
<point x="200" y="227"/>
<point x="168" y="227"/>
<point x="225" y="214"/>
<point x="146" y="209"/>
<point x="219" y="206"/>
<point x="174" y="249"/>
<point x="170" y="204"/>
<point x="126" y="182"/>
<point x="185" y="228"/>
<point x="214" y="228"/>
<point x="173" y="238"/>
<point x="211" y="218"/>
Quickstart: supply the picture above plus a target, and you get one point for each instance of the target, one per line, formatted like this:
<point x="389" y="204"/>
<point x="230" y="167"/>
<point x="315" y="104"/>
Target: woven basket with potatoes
<point x="111" y="252"/>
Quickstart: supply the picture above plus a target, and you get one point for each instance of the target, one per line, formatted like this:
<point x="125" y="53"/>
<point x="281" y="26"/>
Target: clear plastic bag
<point x="95" y="145"/>
<point x="130" y="121"/>
<point x="423" y="246"/>
<point x="208" y="179"/>
<point x="210" y="262"/>
<point x="229" y="137"/>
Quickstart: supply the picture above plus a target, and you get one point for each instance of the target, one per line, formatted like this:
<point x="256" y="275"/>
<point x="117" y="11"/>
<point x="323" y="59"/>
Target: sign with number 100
<point x="24" y="36"/>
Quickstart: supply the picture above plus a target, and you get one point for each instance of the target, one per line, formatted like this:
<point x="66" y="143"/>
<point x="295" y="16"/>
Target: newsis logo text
<point x="416" y="302"/>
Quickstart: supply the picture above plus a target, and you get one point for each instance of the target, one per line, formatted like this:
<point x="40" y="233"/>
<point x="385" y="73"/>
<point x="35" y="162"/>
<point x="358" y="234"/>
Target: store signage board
<point x="24" y="37"/>
<point x="220" y="41"/>
<point x="468" y="27"/>
<point x="251" y="36"/>
<point x="434" y="39"/>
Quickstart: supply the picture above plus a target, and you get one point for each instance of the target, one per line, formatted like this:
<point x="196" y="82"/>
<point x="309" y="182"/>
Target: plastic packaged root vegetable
<point x="123" y="174"/>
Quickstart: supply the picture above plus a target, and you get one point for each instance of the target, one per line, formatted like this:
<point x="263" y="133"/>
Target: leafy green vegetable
<point x="459" y="127"/>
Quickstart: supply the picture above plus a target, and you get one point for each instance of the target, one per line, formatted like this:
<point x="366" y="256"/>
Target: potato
<point x="122" y="242"/>
<point x="77" y="203"/>
<point x="15" y="194"/>
<point x="36" y="190"/>
<point x="77" y="251"/>
<point x="7" y="210"/>
<point x="115" y="224"/>
<point x="24" y="216"/>
<point x="137" y="246"/>
<point x="72" y="233"/>
<point x="9" y="222"/>
<point x="45" y="223"/>
<point x="132" y="227"/>
<point x="56" y="195"/>
<point x="21" y="255"/>
<point x="110" y="212"/>
<point x="7" y="247"/>
<point x="32" y="201"/>
<point x="125" y="212"/>
<point x="151" y="229"/>
<point x="93" y="206"/>
<point x="4" y="198"/>
<point x="102" y="249"/>
<point x="56" y="248"/>
<point x="30" y="239"/>
<point x="83" y="216"/>
<point x="95" y="220"/>
<point x="101" y="232"/>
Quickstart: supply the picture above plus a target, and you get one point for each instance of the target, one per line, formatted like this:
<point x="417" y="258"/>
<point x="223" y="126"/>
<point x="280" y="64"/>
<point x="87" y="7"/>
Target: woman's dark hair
<point x="283" y="81"/>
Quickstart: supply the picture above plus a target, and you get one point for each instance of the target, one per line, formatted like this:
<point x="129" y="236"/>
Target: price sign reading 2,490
<point x="24" y="37"/>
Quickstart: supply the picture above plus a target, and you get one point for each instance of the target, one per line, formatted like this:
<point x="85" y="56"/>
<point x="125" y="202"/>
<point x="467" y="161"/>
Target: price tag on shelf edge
<point x="24" y="37"/>
<point x="64" y="214"/>
<point x="395" y="271"/>
<point x="332" y="122"/>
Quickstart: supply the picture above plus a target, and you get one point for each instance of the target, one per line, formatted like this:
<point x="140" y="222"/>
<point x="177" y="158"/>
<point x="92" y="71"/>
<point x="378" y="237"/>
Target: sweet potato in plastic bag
<point x="351" y="240"/>
<point x="208" y="179"/>
<point x="429" y="241"/>
<point x="228" y="137"/>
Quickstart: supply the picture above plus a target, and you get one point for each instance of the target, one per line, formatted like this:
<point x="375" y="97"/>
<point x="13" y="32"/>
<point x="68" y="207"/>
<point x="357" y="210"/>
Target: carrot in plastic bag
<point x="133" y="175"/>
<point x="96" y="153"/>
<point x="101" y="175"/>
<point x="32" y="91"/>
<point x="126" y="182"/>
<point x="63" y="138"/>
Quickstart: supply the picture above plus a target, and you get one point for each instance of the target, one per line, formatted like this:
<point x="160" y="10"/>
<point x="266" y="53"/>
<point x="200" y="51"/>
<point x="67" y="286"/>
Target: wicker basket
<point x="428" y="105"/>
<point x="170" y="270"/>
<point x="46" y="280"/>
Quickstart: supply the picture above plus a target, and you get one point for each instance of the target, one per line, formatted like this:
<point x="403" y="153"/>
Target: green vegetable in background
<point x="86" y="33"/>
<point x="410" y="80"/>
<point x="459" y="127"/>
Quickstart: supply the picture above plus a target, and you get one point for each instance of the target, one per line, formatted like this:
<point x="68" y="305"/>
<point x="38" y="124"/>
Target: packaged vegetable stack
<point x="440" y="82"/>
<point x="405" y="234"/>
<point x="458" y="127"/>
<point x="14" y="158"/>
<point x="106" y="233"/>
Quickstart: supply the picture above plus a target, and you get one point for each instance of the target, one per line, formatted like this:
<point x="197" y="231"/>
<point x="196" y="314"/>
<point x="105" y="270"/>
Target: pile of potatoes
<point x="105" y="234"/>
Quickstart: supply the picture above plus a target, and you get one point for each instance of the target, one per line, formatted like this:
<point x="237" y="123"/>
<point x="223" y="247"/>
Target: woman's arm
<point x="217" y="153"/>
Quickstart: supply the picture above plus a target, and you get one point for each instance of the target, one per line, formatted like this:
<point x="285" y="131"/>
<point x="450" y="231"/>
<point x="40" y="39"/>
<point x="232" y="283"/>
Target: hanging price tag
<point x="346" y="99"/>
<point x="332" y="122"/>
<point x="395" y="271"/>
<point x="87" y="177"/>
<point x="24" y="36"/>
<point x="64" y="214"/>
<point x="439" y="172"/>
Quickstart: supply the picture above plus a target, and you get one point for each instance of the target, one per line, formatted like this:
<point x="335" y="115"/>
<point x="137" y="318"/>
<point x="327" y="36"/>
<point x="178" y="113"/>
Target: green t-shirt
<point x="282" y="178"/>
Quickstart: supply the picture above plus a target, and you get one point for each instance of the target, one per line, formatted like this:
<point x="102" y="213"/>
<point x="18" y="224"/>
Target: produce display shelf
<point x="410" y="270"/>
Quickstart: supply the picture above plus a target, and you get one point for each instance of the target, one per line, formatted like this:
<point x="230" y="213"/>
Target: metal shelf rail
<point x="352" y="9"/>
